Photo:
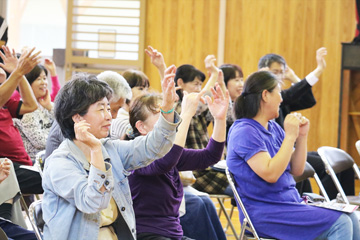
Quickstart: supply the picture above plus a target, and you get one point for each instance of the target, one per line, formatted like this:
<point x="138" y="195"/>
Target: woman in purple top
<point x="156" y="189"/>
<point x="264" y="161"/>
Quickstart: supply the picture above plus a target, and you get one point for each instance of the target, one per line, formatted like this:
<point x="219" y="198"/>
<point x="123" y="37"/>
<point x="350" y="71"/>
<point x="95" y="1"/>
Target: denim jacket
<point x="72" y="200"/>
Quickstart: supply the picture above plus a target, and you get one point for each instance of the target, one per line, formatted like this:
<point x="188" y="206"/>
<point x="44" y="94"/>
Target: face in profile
<point x="275" y="100"/>
<point x="115" y="106"/>
<point x="138" y="91"/>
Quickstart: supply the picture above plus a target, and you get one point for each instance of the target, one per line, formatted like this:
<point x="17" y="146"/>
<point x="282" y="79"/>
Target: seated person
<point x="262" y="158"/>
<point x="139" y="84"/>
<point x="121" y="92"/>
<point x="11" y="144"/>
<point x="12" y="230"/>
<point x="156" y="189"/>
<point x="34" y="127"/>
<point x="298" y="97"/>
<point x="86" y="177"/>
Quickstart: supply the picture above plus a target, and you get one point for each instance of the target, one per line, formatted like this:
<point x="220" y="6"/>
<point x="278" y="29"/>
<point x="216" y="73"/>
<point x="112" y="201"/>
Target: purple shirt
<point x="157" y="190"/>
<point x="274" y="208"/>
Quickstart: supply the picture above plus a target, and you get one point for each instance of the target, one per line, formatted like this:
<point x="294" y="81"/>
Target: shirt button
<point x="133" y="230"/>
<point x="106" y="182"/>
<point x="103" y="176"/>
<point x="123" y="209"/>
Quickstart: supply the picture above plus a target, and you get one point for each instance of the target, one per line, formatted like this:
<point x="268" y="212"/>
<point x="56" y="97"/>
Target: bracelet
<point x="170" y="111"/>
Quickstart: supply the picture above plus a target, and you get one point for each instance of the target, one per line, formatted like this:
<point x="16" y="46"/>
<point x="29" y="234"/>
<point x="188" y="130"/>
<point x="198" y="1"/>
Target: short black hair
<point x="35" y="73"/>
<point x="247" y="105"/>
<point x="229" y="71"/>
<point x="75" y="97"/>
<point x="268" y="59"/>
<point x="187" y="73"/>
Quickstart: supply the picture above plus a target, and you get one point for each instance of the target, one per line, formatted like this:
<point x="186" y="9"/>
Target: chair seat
<point x="355" y="200"/>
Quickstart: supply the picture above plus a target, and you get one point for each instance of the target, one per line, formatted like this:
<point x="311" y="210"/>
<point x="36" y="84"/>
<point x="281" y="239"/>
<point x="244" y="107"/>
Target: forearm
<point x="211" y="81"/>
<point x="55" y="87"/>
<point x="219" y="132"/>
<point x="183" y="129"/>
<point x="317" y="72"/>
<point x="299" y="156"/>
<point x="161" y="70"/>
<point x="28" y="97"/>
<point x="9" y="86"/>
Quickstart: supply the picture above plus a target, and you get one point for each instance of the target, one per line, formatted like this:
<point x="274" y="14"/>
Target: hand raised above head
<point x="210" y="64"/>
<point x="27" y="61"/>
<point x="320" y="57"/>
<point x="156" y="57"/>
<point x="168" y="88"/>
<point x="9" y="58"/>
<point x="50" y="66"/>
<point x="219" y="105"/>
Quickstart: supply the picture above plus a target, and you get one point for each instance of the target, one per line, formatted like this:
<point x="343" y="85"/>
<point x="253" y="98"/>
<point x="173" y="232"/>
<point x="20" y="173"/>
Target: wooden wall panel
<point x="186" y="31"/>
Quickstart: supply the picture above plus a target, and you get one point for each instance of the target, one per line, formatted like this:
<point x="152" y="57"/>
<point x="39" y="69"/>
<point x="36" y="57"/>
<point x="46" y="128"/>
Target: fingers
<point x="171" y="69"/>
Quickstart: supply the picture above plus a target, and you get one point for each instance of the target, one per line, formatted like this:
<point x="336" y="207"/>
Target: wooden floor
<point x="235" y="216"/>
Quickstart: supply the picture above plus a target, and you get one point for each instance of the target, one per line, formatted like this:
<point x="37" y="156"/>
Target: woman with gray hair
<point x="86" y="190"/>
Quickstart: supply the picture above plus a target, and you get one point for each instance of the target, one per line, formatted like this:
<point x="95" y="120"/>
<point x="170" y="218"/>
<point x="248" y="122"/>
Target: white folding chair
<point x="246" y="224"/>
<point x="36" y="219"/>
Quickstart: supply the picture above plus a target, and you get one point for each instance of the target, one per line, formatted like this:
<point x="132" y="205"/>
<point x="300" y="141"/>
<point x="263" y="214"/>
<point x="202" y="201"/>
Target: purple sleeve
<point x="194" y="159"/>
<point x="162" y="165"/>
<point x="55" y="87"/>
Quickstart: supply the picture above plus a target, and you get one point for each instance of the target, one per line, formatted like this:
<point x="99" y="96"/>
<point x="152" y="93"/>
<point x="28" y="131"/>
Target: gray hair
<point x="119" y="85"/>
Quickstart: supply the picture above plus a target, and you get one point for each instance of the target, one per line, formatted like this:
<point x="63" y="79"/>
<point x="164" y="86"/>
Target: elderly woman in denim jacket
<point x="86" y="190"/>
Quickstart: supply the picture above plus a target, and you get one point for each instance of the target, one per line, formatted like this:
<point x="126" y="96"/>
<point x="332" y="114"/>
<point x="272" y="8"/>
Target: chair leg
<point x="222" y="207"/>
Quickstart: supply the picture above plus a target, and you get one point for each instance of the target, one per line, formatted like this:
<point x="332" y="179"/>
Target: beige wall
<point x="187" y="30"/>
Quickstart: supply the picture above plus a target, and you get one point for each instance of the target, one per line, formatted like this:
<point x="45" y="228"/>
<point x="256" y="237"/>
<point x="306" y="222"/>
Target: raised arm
<point x="321" y="63"/>
<point x="18" y="68"/>
<point x="213" y="70"/>
<point x="55" y="85"/>
<point x="157" y="59"/>
<point x="169" y="94"/>
<point x="270" y="169"/>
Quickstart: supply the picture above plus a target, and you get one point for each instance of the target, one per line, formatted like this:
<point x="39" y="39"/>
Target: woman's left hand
<point x="168" y="89"/>
<point x="304" y="125"/>
<point x="219" y="106"/>
<point x="46" y="101"/>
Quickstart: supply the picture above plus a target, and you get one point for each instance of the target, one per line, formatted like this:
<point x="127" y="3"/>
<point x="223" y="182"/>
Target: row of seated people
<point x="190" y="80"/>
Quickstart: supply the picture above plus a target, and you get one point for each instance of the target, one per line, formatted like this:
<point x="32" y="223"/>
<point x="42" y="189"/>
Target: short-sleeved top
<point x="274" y="208"/>
<point x="11" y="144"/>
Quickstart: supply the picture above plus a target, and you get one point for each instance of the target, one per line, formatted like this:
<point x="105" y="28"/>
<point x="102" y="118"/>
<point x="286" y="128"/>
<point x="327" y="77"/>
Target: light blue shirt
<point x="72" y="199"/>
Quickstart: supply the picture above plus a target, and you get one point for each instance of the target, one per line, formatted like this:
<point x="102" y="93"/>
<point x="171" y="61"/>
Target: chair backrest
<point x="36" y="218"/>
<point x="246" y="224"/>
<point x="308" y="173"/>
<point x="338" y="159"/>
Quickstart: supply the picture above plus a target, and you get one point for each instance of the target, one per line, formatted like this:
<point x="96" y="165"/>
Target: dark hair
<point x="230" y="71"/>
<point x="270" y="58"/>
<point x="35" y="73"/>
<point x="135" y="78"/>
<point x="75" y="97"/>
<point x="187" y="73"/>
<point x="149" y="102"/>
<point x="247" y="105"/>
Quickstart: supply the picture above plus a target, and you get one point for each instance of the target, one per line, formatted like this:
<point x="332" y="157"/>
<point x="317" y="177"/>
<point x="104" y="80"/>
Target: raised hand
<point x="190" y="103"/>
<point x="168" y="88"/>
<point x="290" y="75"/>
<point x="219" y="105"/>
<point x="210" y="64"/>
<point x="320" y="58"/>
<point x="156" y="57"/>
<point x="50" y="66"/>
<point x="291" y="126"/>
<point x="9" y="58"/>
<point x="4" y="169"/>
<point x="28" y="61"/>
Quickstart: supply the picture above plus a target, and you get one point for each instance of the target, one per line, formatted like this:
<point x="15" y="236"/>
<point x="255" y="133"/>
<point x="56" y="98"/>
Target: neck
<point x="84" y="148"/>
<point x="262" y="119"/>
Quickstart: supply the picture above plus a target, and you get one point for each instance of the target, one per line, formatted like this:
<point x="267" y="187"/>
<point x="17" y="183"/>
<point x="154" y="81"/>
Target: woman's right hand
<point x="291" y="126"/>
<point x="83" y="135"/>
<point x="190" y="103"/>
<point x="168" y="89"/>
